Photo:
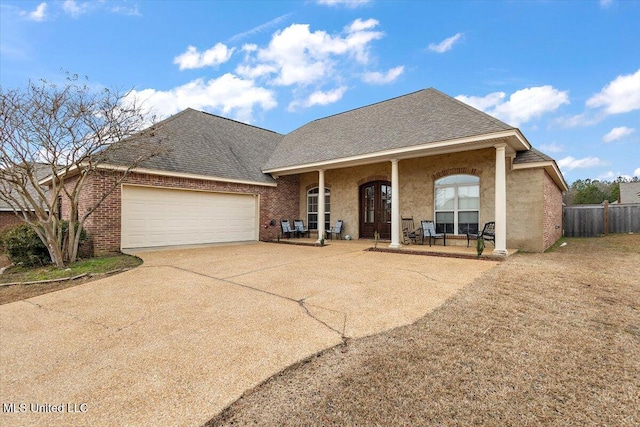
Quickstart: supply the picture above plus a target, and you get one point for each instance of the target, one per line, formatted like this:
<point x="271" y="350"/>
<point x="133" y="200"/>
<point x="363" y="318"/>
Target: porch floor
<point x="454" y="251"/>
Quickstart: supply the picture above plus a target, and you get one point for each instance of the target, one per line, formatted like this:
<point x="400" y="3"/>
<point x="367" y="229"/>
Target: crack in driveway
<point x="300" y="302"/>
<point x="73" y="316"/>
<point x="358" y="252"/>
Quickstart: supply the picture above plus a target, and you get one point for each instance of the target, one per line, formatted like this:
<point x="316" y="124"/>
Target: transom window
<point x="312" y="208"/>
<point x="457" y="204"/>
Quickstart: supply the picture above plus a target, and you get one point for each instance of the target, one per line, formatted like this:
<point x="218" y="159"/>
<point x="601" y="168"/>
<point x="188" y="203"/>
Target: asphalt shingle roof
<point x="195" y="142"/>
<point x="531" y="156"/>
<point x="41" y="171"/>
<point x="417" y="118"/>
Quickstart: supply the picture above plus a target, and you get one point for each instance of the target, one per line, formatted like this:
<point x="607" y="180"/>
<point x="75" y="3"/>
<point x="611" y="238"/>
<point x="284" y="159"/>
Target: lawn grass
<point x="541" y="339"/>
<point x="94" y="267"/>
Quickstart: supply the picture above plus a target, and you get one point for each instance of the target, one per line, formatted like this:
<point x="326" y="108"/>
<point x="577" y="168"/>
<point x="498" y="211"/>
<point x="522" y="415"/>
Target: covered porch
<point x="438" y="250"/>
<point x="372" y="196"/>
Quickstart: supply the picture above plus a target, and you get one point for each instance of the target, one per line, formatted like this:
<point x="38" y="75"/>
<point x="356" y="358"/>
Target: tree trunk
<point x="49" y="237"/>
<point x="73" y="239"/>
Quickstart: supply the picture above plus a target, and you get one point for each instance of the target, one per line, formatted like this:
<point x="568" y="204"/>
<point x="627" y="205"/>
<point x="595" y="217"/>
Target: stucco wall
<point x="528" y="211"/>
<point x="525" y="209"/>
<point x="416" y="178"/>
<point x="344" y="192"/>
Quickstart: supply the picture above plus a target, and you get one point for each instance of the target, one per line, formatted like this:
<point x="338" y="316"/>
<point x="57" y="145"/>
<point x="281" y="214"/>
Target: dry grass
<point x="542" y="339"/>
<point x="94" y="268"/>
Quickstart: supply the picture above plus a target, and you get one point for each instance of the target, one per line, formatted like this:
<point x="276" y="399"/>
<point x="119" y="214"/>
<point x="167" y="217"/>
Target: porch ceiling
<point x="514" y="140"/>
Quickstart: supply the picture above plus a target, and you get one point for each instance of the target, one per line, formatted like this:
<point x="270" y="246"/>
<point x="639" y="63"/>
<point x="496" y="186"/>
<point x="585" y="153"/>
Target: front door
<point x="375" y="209"/>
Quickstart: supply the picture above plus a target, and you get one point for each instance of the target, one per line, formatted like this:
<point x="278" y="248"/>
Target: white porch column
<point x="395" y="206"/>
<point x="501" y="202"/>
<point x="321" y="202"/>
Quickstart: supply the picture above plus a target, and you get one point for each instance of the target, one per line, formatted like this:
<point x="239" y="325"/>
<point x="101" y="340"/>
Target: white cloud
<point x="522" y="106"/>
<point x="255" y="71"/>
<point x="128" y="11"/>
<point x="619" y="96"/>
<point x="636" y="172"/>
<point x="583" y="119"/>
<point x="191" y="59"/>
<point x="320" y="98"/>
<point x="617" y="133"/>
<point x="297" y="56"/>
<point x="445" y="44"/>
<point x="352" y="4"/>
<point x="612" y="176"/>
<point x="72" y="8"/>
<point x="75" y="9"/>
<point x="551" y="148"/>
<point x="569" y="163"/>
<point x="483" y="103"/>
<point x="260" y="28"/>
<point x="605" y="3"/>
<point x="382" y="78"/>
<point x="249" y="47"/>
<point x="227" y="94"/>
<point x="38" y="15"/>
<point x="324" y="98"/>
<point x="529" y="103"/>
<point x="360" y="25"/>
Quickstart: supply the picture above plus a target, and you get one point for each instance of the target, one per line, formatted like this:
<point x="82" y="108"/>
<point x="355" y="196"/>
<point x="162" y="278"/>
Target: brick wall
<point x="552" y="207"/>
<point x="9" y="218"/>
<point x="103" y="226"/>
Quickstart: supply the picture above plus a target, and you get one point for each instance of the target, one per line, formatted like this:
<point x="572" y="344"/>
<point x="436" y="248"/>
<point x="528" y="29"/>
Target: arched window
<point x="312" y="208"/>
<point x="457" y="204"/>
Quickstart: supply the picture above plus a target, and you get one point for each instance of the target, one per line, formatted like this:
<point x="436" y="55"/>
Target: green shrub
<point x="23" y="246"/>
<point x="3" y="232"/>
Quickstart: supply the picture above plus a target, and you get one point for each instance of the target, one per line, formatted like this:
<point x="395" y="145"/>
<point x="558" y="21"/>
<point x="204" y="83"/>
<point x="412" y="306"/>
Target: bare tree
<point x="66" y="131"/>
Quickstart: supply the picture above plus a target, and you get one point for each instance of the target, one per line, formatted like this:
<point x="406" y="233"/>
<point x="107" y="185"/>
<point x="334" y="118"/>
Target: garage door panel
<point x="166" y="217"/>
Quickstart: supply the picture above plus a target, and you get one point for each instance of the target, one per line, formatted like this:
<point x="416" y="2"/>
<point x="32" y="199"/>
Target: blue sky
<point x="567" y="73"/>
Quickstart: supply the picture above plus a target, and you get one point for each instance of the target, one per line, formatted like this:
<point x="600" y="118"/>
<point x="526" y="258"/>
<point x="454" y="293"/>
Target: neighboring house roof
<point x="41" y="171"/>
<point x="629" y="192"/>
<point x="203" y="144"/>
<point x="419" y="118"/>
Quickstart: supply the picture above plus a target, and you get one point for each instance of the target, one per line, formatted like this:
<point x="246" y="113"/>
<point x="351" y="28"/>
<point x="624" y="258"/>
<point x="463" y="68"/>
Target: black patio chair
<point x="488" y="234"/>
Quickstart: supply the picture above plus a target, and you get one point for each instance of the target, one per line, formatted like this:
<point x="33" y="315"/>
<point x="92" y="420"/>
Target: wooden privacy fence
<point x="596" y="220"/>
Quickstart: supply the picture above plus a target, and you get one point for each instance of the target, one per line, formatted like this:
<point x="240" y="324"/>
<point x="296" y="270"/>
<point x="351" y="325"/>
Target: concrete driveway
<point x="176" y="340"/>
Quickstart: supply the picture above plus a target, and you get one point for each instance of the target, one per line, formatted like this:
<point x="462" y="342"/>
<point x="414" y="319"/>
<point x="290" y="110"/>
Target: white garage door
<point x="165" y="217"/>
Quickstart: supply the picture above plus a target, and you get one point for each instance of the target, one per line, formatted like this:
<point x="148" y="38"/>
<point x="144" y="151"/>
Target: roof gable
<point x="415" y="119"/>
<point x="199" y="143"/>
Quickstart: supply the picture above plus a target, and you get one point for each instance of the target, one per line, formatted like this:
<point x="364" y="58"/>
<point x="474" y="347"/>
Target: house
<point x="629" y="192"/>
<point x="8" y="216"/>
<point x="424" y="154"/>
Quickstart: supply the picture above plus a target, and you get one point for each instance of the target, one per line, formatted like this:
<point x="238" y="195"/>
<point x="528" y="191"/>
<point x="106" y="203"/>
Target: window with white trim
<point x="312" y="208"/>
<point x="457" y="204"/>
